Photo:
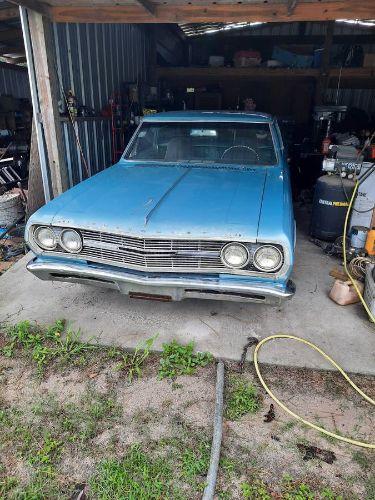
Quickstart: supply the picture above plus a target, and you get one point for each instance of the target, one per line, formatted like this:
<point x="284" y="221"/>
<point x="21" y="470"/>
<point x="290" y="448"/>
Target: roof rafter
<point x="148" y="6"/>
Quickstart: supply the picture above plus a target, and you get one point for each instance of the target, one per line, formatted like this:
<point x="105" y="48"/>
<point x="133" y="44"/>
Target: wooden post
<point x="48" y="94"/>
<point x="35" y="194"/>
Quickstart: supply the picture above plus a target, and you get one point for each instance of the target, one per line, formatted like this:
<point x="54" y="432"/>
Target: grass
<point x="43" y="345"/>
<point x="134" y="477"/>
<point x="361" y="459"/>
<point x="241" y="399"/>
<point x="177" y="359"/>
<point x="195" y="461"/>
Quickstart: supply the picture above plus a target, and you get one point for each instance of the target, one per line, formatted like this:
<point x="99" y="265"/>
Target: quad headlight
<point x="45" y="238"/>
<point x="49" y="238"/>
<point x="267" y="258"/>
<point x="71" y="241"/>
<point x="235" y="255"/>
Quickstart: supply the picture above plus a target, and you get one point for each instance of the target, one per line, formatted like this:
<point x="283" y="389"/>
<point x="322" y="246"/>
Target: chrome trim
<point x="30" y="227"/>
<point x="177" y="288"/>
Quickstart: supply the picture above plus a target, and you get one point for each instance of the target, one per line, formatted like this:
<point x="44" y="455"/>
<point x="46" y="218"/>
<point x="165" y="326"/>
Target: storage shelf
<point x="260" y="72"/>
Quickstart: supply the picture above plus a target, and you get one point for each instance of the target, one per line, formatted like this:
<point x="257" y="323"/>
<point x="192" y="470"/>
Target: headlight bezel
<point x="237" y="244"/>
<point x="57" y="233"/>
<point x="274" y="268"/>
<point x="39" y="243"/>
<point x="64" y="247"/>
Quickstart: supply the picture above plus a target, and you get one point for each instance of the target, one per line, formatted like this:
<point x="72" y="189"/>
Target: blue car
<point x="199" y="206"/>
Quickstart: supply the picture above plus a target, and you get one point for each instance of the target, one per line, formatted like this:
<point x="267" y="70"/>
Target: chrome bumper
<point x="163" y="288"/>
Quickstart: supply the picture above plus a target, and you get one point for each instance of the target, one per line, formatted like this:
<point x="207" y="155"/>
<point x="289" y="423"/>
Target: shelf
<point x="177" y="73"/>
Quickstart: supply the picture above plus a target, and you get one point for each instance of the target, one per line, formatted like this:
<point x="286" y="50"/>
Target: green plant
<point x="136" y="476"/>
<point x="328" y="494"/>
<point x="44" y="345"/>
<point x="256" y="490"/>
<point x="48" y="452"/>
<point x="132" y="363"/>
<point x="296" y="491"/>
<point x="177" y="359"/>
<point x="242" y="399"/>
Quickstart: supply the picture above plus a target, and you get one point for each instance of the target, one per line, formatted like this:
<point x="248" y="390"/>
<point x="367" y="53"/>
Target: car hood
<point x="172" y="201"/>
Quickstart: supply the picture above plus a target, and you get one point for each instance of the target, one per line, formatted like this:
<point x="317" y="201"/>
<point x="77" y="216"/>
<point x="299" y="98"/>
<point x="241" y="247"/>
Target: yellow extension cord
<point x="322" y="353"/>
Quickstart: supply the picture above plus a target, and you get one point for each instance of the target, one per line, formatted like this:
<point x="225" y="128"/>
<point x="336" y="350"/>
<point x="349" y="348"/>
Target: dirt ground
<point x="59" y="426"/>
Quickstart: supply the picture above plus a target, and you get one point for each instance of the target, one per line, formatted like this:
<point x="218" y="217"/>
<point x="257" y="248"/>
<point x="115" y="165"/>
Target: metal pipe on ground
<point x="209" y="491"/>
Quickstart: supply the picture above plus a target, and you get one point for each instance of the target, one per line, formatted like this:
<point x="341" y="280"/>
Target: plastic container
<point x="344" y="293"/>
<point x="370" y="242"/>
<point x="358" y="237"/>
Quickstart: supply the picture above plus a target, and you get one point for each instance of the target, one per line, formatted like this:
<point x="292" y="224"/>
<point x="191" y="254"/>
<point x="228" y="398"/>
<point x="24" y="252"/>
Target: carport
<point x="81" y="46"/>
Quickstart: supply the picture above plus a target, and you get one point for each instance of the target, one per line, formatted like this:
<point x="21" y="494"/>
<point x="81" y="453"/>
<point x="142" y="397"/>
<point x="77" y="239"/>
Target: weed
<point x="177" y="359"/>
<point x="256" y="490"/>
<point x="132" y="363"/>
<point x="328" y="494"/>
<point x="44" y="345"/>
<point x="47" y="454"/>
<point x="242" y="399"/>
<point x="361" y="459"/>
<point x="136" y="476"/>
<point x="288" y="425"/>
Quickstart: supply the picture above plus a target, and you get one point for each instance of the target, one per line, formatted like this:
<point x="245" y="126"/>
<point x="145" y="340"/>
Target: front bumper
<point x="162" y="287"/>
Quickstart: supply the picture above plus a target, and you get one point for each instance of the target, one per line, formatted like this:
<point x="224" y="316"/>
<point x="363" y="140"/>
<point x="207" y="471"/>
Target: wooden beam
<point x="148" y="6"/>
<point x="35" y="5"/>
<point x="7" y="14"/>
<point x="323" y="10"/>
<point x="49" y="95"/>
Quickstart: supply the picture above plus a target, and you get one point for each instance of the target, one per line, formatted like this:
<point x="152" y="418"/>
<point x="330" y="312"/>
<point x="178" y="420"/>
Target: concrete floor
<point x="219" y="327"/>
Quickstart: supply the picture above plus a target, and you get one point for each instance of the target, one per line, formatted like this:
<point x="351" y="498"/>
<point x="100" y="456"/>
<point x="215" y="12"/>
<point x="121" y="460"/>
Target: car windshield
<point x="202" y="142"/>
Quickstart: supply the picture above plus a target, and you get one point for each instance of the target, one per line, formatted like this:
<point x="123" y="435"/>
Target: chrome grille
<point x="152" y="254"/>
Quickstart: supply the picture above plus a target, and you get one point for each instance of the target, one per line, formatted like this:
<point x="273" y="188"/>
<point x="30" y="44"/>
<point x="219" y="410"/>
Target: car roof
<point x="214" y="116"/>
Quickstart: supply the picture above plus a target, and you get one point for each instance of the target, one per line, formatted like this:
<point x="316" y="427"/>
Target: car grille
<point x="152" y="254"/>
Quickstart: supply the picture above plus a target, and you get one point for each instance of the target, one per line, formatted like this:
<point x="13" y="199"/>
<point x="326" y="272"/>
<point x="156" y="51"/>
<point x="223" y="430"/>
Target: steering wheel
<point x="248" y="148"/>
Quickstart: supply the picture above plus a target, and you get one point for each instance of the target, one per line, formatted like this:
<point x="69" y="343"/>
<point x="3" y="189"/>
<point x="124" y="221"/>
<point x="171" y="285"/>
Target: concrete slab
<point x="219" y="327"/>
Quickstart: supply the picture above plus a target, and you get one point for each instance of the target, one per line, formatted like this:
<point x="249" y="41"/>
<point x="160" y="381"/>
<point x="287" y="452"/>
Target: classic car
<point x="199" y="206"/>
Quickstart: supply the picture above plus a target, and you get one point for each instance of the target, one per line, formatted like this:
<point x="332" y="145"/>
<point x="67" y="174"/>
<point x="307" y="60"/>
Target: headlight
<point x="71" y="241"/>
<point x="235" y="255"/>
<point x="45" y="238"/>
<point x="267" y="258"/>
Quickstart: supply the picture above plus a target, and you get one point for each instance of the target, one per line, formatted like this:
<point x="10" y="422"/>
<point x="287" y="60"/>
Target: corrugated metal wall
<point x="14" y="81"/>
<point x="94" y="60"/>
<point x="358" y="98"/>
